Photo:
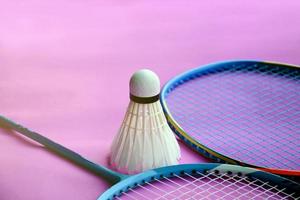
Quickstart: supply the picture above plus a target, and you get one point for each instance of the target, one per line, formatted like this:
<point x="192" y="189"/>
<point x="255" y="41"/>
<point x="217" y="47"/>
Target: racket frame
<point x="180" y="170"/>
<point x="192" y="142"/>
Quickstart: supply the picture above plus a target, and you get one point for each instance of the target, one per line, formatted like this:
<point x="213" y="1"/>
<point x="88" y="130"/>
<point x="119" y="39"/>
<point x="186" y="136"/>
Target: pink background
<point x="65" y="66"/>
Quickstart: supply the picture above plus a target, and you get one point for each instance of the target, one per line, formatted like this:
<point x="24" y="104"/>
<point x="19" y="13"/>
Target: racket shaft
<point x="62" y="151"/>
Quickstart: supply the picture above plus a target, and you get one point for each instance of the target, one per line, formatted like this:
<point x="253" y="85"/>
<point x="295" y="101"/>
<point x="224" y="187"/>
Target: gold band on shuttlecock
<point x="144" y="100"/>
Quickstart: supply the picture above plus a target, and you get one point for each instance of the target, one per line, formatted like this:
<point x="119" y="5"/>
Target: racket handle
<point x="64" y="152"/>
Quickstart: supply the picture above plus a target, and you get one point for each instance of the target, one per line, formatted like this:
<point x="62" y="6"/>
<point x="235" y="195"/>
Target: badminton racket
<point x="239" y="112"/>
<point x="191" y="181"/>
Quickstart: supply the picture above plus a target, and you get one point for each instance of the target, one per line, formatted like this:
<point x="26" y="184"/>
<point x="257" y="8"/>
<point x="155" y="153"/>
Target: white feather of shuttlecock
<point x="144" y="141"/>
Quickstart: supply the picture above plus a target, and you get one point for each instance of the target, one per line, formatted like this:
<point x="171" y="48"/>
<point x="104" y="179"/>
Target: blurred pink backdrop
<point x="65" y="67"/>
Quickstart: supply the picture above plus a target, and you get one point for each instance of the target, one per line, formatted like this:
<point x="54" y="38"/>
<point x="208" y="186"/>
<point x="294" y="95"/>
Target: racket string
<point x="220" y="110"/>
<point x="246" y="147"/>
<point x="235" y="186"/>
<point x="207" y="193"/>
<point x="189" y="183"/>
<point x="197" y="185"/>
<point x="179" y="187"/>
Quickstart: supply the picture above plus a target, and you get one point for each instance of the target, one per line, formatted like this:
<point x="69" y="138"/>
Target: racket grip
<point x="64" y="152"/>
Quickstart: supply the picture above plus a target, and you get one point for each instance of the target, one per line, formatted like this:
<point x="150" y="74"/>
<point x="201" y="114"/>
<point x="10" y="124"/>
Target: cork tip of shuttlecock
<point x="144" y="83"/>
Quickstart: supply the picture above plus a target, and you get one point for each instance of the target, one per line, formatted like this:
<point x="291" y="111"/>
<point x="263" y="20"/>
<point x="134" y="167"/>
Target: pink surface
<point x="65" y="66"/>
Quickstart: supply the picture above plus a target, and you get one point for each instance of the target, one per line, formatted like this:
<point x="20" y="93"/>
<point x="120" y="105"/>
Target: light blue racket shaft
<point x="107" y="174"/>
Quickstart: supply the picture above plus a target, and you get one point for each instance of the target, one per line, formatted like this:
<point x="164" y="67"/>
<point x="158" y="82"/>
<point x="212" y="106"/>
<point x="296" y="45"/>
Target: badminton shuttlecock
<point x="145" y="140"/>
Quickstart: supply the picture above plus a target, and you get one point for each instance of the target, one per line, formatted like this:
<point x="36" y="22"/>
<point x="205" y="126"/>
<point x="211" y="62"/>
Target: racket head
<point x="197" y="181"/>
<point x="236" y="99"/>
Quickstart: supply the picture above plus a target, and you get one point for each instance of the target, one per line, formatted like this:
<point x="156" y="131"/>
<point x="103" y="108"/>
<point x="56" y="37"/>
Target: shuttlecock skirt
<point x="144" y="141"/>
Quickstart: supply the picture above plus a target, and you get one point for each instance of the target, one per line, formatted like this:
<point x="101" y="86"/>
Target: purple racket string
<point x="250" y="113"/>
<point x="205" y="186"/>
